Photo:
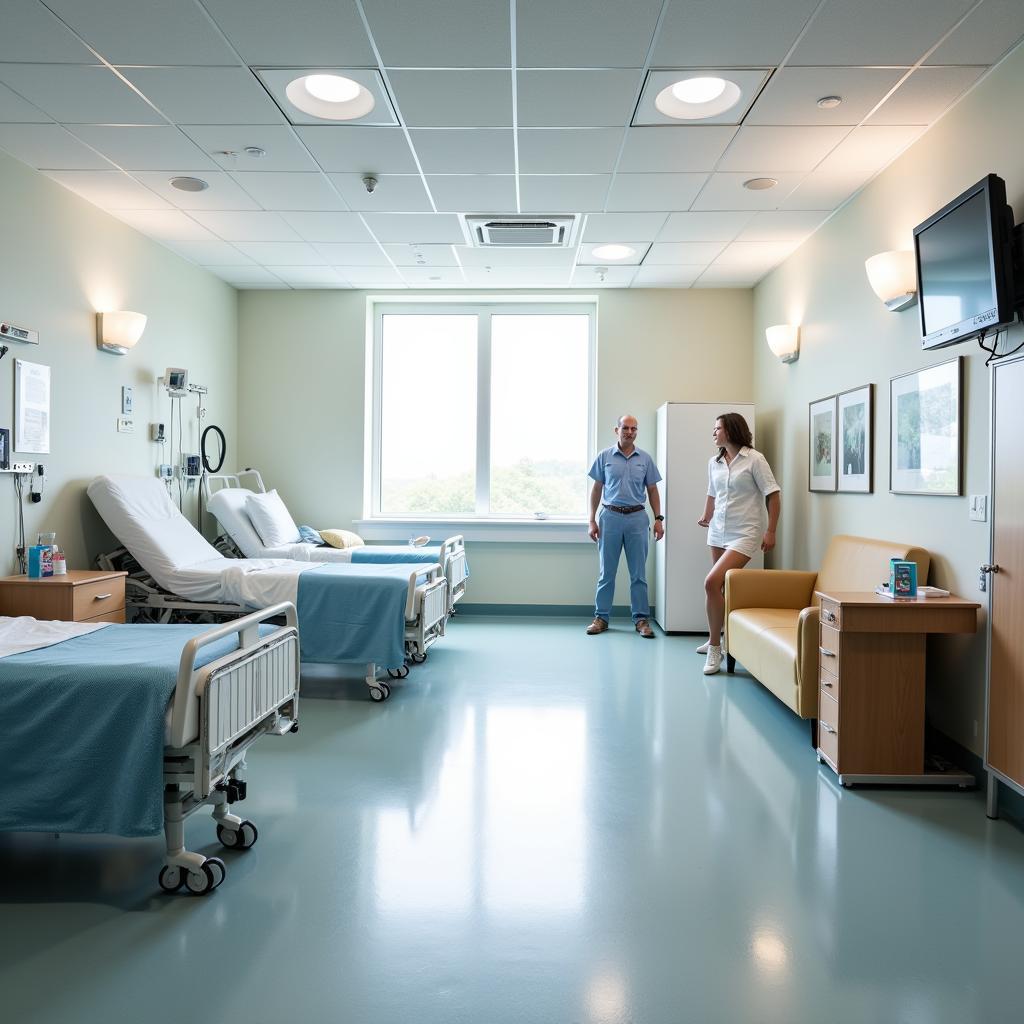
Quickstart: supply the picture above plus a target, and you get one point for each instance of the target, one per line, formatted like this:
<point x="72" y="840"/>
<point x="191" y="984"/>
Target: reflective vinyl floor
<point x="539" y="826"/>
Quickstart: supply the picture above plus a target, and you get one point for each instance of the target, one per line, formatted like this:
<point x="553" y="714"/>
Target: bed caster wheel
<point x="380" y="692"/>
<point x="403" y="672"/>
<point x="207" y="878"/>
<point x="238" y="839"/>
<point x="393" y="673"/>
<point x="171" y="877"/>
<point x="418" y="658"/>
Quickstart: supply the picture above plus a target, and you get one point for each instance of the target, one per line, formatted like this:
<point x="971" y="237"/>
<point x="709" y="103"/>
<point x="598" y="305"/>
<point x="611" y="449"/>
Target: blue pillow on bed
<point x="309" y="536"/>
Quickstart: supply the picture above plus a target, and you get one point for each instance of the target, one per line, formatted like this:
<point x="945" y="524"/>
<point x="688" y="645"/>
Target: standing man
<point x="621" y="475"/>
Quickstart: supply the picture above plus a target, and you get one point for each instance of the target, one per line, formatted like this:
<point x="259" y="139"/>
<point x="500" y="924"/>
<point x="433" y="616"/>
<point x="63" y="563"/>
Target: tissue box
<point x="902" y="578"/>
<point x="40" y="561"/>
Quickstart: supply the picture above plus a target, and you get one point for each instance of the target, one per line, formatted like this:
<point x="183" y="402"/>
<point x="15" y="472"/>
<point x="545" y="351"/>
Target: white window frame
<point x="482" y="526"/>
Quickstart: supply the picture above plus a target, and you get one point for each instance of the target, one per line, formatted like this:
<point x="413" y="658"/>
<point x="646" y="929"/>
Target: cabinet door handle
<point x="826" y="652"/>
<point x="102" y="597"/>
<point x="825" y="682"/>
<point x="830" y="616"/>
<point x="828" y="728"/>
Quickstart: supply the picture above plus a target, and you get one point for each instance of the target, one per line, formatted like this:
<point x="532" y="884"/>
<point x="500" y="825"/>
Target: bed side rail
<point x="453" y="558"/>
<point x="214" y="482"/>
<point x="433" y="574"/>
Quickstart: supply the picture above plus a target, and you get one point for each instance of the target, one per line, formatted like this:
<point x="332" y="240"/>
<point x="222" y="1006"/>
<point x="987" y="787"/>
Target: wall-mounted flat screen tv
<point x="965" y="266"/>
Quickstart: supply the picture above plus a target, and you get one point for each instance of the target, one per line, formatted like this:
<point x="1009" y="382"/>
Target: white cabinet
<point x="681" y="560"/>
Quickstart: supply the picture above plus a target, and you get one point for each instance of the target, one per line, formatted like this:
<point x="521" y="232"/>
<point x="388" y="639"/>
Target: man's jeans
<point x="632" y="532"/>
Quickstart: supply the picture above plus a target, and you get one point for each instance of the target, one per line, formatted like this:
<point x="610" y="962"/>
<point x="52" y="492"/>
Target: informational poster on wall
<point x="31" y="408"/>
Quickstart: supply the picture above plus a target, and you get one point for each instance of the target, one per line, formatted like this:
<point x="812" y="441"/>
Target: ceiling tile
<point x="569" y="150"/>
<point x="339" y="254"/>
<point x="283" y="254"/>
<point x="666" y="277"/>
<point x="248" y="277"/>
<point x="144" y="148"/>
<point x="754" y="255"/>
<point x="682" y="253"/>
<point x="521" y="277"/>
<point x="254" y="226"/>
<point x="422" y="255"/>
<point x="791" y="97"/>
<point x="611" y="227"/>
<point x="465" y="150"/>
<point x="32" y="33"/>
<point x="605" y="277"/>
<point x="454" y="99"/>
<point x="578" y="33"/>
<point x="310" y="33"/>
<point x="364" y="148"/>
<point x="703" y="227"/>
<point x="703" y="33"/>
<point x="110" y="190"/>
<point x="781" y="148"/>
<point x="671" y="148"/>
<point x="588" y="258"/>
<point x="433" y="277"/>
<point x="458" y="33"/>
<point x="373" y="277"/>
<point x="782" y="225"/>
<point x="309" y="277"/>
<point x="166" y="226"/>
<point x="728" y="277"/>
<point x="415" y="227"/>
<point x="989" y="31"/>
<point x="145" y="31"/>
<point x="393" y="193"/>
<point x="79" y="94"/>
<point x="876" y="31"/>
<point x="654" y="191"/>
<point x="473" y="193"/>
<point x="226" y="145"/>
<point x="328" y="227"/>
<point x="526" y="257"/>
<point x="211" y="253"/>
<point x="926" y="94"/>
<point x="725" y="191"/>
<point x="576" y="99"/>
<point x="279" y="191"/>
<point x="206" y="95"/>
<point x="48" y="145"/>
<point x="222" y="194"/>
<point x="13" y="109"/>
<point x="562" y="193"/>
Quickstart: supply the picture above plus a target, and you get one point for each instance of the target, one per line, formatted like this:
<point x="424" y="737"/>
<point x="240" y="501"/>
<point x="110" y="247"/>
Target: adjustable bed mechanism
<point x="218" y="712"/>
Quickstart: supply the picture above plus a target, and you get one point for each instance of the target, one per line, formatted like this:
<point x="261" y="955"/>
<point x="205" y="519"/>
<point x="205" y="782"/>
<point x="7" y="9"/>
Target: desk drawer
<point x="828" y="728"/>
<point x="94" y="599"/>
<point x="114" y="615"/>
<point x="828" y="677"/>
<point x="831" y="613"/>
<point x="828" y="648"/>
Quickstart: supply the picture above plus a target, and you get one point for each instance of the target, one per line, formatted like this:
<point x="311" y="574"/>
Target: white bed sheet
<point x="21" y="633"/>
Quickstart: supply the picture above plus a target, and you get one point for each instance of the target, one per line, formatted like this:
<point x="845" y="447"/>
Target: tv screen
<point x="964" y="266"/>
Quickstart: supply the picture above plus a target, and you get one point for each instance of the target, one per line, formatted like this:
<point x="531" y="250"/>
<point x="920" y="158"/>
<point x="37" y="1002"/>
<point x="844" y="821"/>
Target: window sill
<point x="505" y="531"/>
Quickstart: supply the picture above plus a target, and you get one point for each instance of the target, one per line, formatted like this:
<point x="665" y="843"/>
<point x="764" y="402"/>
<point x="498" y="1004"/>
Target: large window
<point x="482" y="411"/>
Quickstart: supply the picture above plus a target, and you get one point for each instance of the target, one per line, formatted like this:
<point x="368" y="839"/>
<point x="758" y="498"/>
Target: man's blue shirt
<point x="625" y="479"/>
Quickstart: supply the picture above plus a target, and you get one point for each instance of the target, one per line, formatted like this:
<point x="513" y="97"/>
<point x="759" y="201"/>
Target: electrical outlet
<point x="20" y="467"/>
<point x="125" y="425"/>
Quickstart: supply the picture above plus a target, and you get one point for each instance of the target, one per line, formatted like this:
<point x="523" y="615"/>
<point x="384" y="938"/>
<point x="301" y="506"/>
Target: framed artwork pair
<point x="841" y="455"/>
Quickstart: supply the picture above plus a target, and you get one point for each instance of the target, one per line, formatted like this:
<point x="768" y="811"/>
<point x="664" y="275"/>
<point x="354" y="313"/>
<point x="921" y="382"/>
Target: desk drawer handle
<point x="828" y="728"/>
<point x="102" y="597"/>
<point x="825" y="682"/>
<point x="826" y="652"/>
<point x="830" y="616"/>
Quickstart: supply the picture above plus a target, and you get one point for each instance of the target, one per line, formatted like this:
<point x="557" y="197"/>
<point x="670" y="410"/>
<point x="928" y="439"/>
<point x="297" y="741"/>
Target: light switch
<point x="977" y="510"/>
<point x="127" y="394"/>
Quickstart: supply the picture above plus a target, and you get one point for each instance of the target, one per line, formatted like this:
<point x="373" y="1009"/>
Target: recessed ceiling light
<point x="186" y="184"/>
<point x="613" y="252"/>
<point x="760" y="184"/>
<point x="254" y="151"/>
<point x="829" y="102"/>
<point x="692" y="99"/>
<point x="331" y="97"/>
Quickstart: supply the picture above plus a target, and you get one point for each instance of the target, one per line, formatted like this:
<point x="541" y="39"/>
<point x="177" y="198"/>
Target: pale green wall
<point x="848" y="339"/>
<point x="301" y="409"/>
<point x="62" y="260"/>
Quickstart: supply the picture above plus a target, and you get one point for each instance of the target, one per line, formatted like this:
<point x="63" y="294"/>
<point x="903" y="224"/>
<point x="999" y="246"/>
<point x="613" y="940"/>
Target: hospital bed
<point x="114" y="728"/>
<point x="225" y="496"/>
<point x="370" y="614"/>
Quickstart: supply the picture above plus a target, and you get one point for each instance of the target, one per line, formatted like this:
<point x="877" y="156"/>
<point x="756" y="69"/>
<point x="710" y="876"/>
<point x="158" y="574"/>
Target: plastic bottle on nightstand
<point x="60" y="565"/>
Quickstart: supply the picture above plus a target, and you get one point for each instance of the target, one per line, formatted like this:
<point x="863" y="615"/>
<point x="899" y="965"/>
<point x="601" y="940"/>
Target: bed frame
<point x="217" y="713"/>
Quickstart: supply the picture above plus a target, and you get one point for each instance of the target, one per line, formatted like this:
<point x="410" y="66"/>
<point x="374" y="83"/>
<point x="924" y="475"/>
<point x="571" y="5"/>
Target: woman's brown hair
<point x="736" y="430"/>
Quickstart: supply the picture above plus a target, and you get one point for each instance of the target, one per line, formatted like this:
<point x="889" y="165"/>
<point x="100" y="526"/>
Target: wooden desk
<point x="871" y="657"/>
<point x="81" y="595"/>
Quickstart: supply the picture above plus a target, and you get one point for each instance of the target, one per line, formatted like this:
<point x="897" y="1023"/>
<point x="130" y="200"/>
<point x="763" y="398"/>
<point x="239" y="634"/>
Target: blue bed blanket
<point x="81" y="748"/>
<point x="354" y="613"/>
<point x="387" y="553"/>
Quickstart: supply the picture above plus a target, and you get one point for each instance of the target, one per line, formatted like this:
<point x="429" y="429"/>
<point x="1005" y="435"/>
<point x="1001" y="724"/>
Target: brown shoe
<point x="643" y="627"/>
<point x="599" y="625"/>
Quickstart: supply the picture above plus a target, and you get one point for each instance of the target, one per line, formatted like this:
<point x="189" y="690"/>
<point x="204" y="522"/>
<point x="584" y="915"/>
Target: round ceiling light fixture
<point x="829" y="102"/>
<point x="697" y="98"/>
<point x="760" y="184"/>
<point x="613" y="251"/>
<point x="187" y="184"/>
<point x="331" y="97"/>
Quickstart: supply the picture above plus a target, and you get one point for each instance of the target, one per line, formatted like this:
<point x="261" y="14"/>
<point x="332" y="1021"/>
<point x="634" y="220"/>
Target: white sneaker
<point x="703" y="649"/>
<point x="714" y="661"/>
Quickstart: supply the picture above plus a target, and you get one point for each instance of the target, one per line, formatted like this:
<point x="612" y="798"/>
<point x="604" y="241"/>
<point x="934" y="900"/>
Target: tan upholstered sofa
<point x="771" y="615"/>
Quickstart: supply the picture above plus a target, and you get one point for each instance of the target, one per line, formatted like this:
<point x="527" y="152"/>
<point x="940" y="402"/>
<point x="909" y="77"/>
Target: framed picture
<point x="925" y="413"/>
<point x="821" y="437"/>
<point x="855" y="442"/>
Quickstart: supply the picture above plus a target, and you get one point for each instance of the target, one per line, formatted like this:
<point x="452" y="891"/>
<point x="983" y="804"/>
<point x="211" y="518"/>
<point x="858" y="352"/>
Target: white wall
<point x="301" y="409"/>
<point x="849" y="339"/>
<point x="64" y="259"/>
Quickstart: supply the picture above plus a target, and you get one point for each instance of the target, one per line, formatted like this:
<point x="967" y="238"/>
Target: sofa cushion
<point x="764" y="641"/>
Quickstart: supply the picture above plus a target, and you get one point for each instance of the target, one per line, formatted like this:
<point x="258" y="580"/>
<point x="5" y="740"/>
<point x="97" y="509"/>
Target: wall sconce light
<point x="118" y="332"/>
<point x="893" y="276"/>
<point x="784" y="341"/>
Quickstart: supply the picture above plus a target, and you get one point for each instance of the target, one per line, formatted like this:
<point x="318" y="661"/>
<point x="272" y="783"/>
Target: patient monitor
<point x="176" y="382"/>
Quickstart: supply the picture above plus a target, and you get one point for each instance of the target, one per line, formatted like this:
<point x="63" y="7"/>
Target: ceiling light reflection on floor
<point x="769" y="950"/>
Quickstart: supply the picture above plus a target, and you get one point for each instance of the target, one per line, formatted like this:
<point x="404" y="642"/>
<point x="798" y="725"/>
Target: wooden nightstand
<point x="82" y="595"/>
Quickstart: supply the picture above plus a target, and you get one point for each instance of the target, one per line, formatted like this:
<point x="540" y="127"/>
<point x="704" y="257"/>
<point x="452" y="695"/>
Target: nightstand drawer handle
<point x="102" y="597"/>
<point x="830" y="616"/>
<point x="825" y="682"/>
<point x="826" y="652"/>
<point x="828" y="728"/>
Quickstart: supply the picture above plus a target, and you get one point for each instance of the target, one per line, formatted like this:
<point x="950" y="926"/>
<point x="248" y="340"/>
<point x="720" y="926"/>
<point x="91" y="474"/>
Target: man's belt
<point x="625" y="509"/>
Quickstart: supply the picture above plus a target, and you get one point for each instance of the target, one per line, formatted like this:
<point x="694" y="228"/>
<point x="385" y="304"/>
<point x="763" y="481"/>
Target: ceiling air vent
<point x="511" y="232"/>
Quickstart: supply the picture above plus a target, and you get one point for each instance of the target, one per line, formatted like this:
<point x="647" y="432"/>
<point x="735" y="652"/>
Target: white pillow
<point x="272" y="520"/>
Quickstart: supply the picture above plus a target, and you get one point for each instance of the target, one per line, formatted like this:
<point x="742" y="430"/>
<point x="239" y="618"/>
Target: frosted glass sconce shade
<point x="784" y="341"/>
<point x="893" y="276"/>
<point x="118" y="332"/>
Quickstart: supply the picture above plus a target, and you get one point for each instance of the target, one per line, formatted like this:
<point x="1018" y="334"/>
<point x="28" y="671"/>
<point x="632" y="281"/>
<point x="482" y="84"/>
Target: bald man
<point x="624" y="476"/>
